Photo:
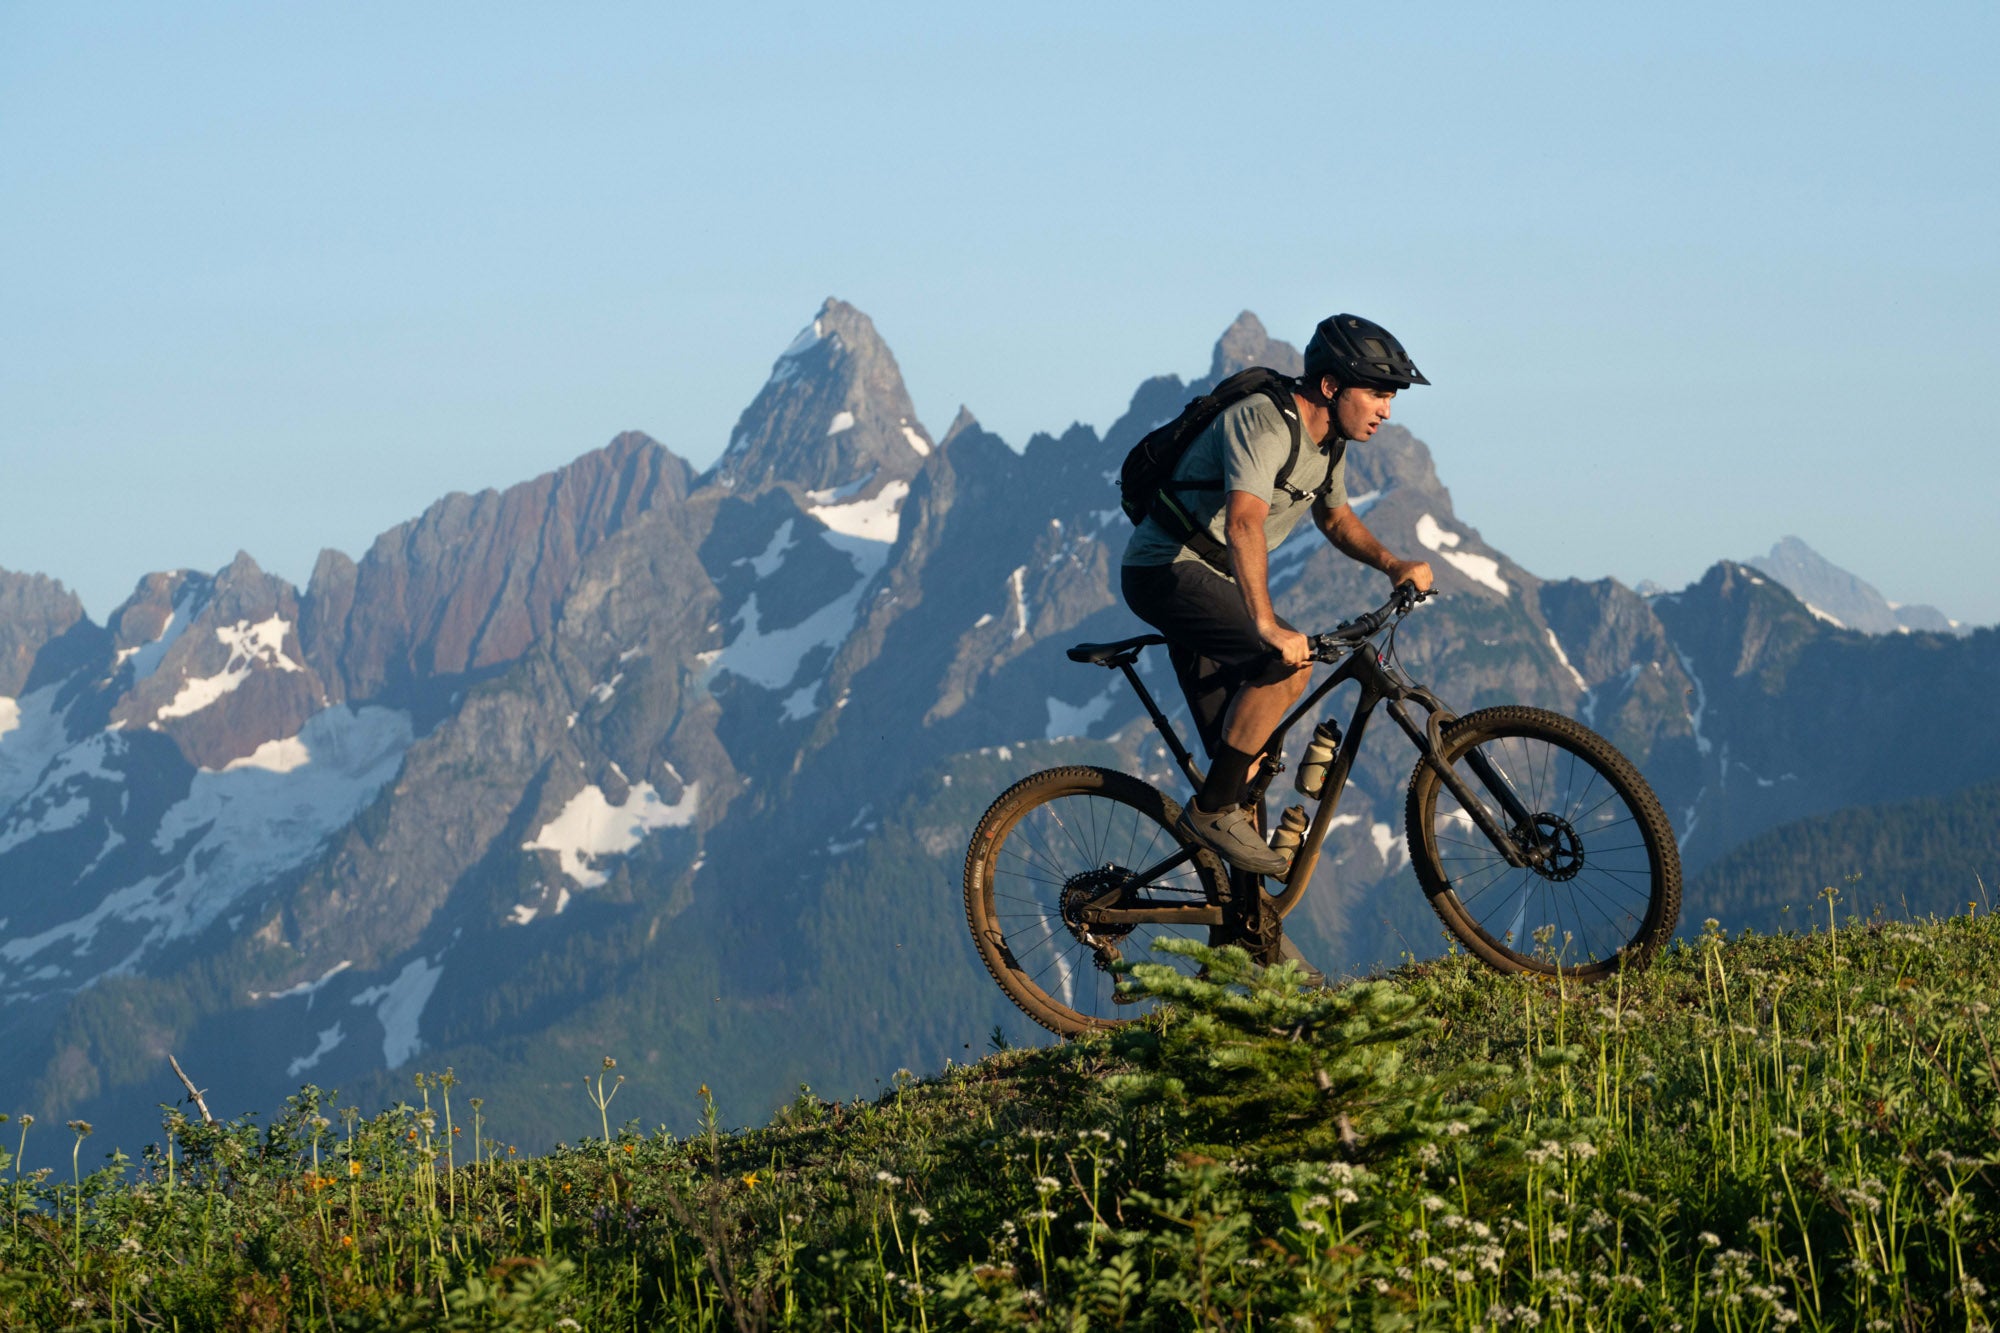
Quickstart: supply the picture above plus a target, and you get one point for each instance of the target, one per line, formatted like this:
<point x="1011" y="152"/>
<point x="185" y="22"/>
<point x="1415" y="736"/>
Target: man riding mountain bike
<point x="1196" y="567"/>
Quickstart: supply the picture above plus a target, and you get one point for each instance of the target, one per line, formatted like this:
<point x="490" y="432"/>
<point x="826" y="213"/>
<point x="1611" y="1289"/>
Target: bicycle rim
<point x="1596" y="901"/>
<point x="1052" y="842"/>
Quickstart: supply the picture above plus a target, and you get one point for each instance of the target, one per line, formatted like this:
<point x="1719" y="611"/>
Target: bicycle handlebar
<point x="1328" y="647"/>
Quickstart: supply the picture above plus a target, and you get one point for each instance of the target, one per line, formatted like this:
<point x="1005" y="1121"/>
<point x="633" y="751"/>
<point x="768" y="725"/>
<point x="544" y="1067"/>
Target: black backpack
<point x="1145" y="482"/>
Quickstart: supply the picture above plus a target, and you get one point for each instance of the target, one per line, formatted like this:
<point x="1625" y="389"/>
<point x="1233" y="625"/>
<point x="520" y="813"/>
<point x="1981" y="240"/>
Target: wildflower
<point x="1312" y="1227"/>
<point x="1709" y="1238"/>
<point x="130" y="1245"/>
<point x="888" y="1179"/>
<point x="1457" y="1128"/>
<point x="353" y="1167"/>
<point x="922" y="1216"/>
<point x="1432" y="1203"/>
<point x="1346" y="1195"/>
<point x="567" y="1323"/>
<point x="1558" y="1234"/>
<point x="629" y="1148"/>
<point x="346" y="1242"/>
<point x="1047" y="1185"/>
<point x="456" y="1131"/>
<point x="80" y="1128"/>
<point x="752" y="1180"/>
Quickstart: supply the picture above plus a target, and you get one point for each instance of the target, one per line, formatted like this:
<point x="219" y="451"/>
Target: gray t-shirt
<point x="1246" y="447"/>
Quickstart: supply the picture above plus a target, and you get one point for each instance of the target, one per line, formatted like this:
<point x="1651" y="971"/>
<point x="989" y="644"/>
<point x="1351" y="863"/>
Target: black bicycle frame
<point x="1380" y="687"/>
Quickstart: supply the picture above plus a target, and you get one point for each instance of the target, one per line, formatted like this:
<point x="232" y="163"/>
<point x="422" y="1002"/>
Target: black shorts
<point x="1211" y="637"/>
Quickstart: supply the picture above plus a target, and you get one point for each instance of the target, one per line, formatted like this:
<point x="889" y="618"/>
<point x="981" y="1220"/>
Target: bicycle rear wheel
<point x="1049" y="844"/>
<point x="1606" y="893"/>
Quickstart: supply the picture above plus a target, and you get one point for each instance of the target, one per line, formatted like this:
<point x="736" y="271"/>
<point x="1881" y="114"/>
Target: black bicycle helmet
<point x="1359" y="351"/>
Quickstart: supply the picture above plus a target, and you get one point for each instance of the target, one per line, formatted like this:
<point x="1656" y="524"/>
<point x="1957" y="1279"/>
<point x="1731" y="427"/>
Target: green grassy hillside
<point x="1763" y="1132"/>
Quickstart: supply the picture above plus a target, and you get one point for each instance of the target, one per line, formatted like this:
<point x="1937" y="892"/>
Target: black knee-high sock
<point x="1228" y="779"/>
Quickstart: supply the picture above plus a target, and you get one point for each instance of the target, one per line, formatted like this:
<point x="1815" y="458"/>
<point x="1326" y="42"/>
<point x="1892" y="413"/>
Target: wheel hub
<point x="1552" y="848"/>
<point x="1078" y="891"/>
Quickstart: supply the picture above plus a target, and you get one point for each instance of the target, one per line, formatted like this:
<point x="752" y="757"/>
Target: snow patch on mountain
<point x="871" y="520"/>
<point x="249" y="646"/>
<point x="145" y="658"/>
<point x="232" y="832"/>
<point x="398" y="1006"/>
<point x="590" y="827"/>
<point x="1563" y="658"/>
<point x="1702" y="744"/>
<point x="1066" y="720"/>
<point x="278" y="756"/>
<point x="766" y="563"/>
<point x="305" y="988"/>
<point x="329" y="1038"/>
<point x="841" y="421"/>
<point x="1481" y="569"/>
<point x="787" y="364"/>
<point x="61" y="798"/>
<point x="32" y="741"/>
<point x="771" y="658"/>
<point x="863" y="530"/>
<point x="1387" y="845"/>
<point x="10" y="715"/>
<point x="916" y="440"/>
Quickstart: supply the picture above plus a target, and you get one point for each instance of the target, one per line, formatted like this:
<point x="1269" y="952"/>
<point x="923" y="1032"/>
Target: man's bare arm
<point x="1250" y="561"/>
<point x="1351" y="537"/>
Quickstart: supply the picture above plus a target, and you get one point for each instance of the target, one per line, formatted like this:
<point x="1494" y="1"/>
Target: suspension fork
<point x="1429" y="741"/>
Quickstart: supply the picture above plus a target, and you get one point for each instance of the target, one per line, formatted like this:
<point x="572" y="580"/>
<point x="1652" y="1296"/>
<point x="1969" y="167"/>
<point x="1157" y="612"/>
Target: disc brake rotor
<point x="1555" y="852"/>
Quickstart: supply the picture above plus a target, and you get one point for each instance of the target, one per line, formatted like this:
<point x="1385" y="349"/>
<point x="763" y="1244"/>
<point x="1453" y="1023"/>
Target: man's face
<point x="1360" y="412"/>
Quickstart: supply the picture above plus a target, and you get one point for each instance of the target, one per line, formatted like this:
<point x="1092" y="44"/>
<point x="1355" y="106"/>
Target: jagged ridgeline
<point x="679" y="767"/>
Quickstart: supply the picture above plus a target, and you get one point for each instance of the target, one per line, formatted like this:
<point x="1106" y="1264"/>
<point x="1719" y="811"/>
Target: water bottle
<point x="1318" y="758"/>
<point x="1291" y="831"/>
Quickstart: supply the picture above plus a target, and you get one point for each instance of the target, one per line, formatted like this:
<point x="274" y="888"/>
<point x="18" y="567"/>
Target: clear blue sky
<point x="1688" y="277"/>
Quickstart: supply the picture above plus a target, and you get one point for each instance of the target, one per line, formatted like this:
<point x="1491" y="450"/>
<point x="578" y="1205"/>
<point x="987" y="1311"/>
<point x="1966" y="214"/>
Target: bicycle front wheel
<point x="1045" y="848"/>
<point x="1604" y="891"/>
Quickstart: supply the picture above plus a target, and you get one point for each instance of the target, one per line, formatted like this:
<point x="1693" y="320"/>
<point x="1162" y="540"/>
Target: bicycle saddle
<point x="1114" y="654"/>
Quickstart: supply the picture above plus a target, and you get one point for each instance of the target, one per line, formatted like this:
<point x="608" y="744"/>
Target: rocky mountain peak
<point x="1841" y="598"/>
<point x="833" y="415"/>
<point x="1245" y="343"/>
<point x="473" y="582"/>
<point x="215" y="664"/>
<point x="34" y="611"/>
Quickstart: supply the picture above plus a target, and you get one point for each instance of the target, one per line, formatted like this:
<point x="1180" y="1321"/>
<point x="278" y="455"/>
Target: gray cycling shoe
<point x="1230" y="835"/>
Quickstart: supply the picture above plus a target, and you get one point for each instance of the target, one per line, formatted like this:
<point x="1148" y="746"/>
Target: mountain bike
<point x="1538" y="844"/>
